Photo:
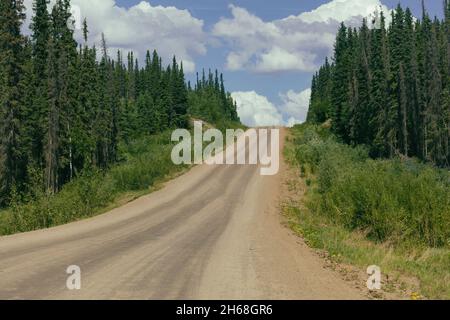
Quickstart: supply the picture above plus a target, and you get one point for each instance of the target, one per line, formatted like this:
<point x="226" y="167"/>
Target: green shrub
<point x="402" y="202"/>
<point x="145" y="160"/>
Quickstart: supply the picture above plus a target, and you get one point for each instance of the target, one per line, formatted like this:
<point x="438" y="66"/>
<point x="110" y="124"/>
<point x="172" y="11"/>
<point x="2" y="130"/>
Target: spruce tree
<point x="341" y="79"/>
<point x="36" y="118"/>
<point x="390" y="87"/>
<point x="11" y="75"/>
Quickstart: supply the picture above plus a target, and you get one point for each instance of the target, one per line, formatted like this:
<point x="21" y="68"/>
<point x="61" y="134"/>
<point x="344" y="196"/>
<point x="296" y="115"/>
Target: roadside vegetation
<point x="391" y="213"/>
<point x="376" y="174"/>
<point x="145" y="162"/>
<point x="82" y="125"/>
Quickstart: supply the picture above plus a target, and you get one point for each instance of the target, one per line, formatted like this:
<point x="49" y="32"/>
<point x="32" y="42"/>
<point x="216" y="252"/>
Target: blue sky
<point x="267" y="50"/>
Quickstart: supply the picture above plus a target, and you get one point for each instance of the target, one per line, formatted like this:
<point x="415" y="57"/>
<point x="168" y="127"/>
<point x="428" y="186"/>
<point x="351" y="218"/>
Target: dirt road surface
<point x="213" y="233"/>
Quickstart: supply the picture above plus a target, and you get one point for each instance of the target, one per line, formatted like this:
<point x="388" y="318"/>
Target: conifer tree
<point x="11" y="74"/>
<point x="36" y="118"/>
<point x="389" y="87"/>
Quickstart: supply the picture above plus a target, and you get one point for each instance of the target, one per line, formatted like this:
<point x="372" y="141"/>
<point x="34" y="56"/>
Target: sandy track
<point x="213" y="233"/>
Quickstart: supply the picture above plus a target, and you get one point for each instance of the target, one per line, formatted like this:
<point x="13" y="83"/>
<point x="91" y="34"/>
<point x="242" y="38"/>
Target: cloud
<point x="278" y="59"/>
<point x="295" y="43"/>
<point x="256" y="110"/>
<point x="295" y="106"/>
<point x="342" y="10"/>
<point x="169" y="30"/>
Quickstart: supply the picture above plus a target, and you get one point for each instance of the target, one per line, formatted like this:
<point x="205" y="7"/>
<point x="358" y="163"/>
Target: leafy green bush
<point x="402" y="202"/>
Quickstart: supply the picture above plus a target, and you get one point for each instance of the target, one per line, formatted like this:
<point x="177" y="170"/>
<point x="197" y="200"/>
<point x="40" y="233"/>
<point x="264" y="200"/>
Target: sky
<point x="268" y="50"/>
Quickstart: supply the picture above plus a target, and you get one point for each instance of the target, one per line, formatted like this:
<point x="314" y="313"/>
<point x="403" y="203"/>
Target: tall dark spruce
<point x="388" y="87"/>
<point x="12" y="62"/>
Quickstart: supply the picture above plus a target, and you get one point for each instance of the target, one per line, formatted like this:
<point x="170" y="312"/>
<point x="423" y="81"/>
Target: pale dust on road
<point x="213" y="233"/>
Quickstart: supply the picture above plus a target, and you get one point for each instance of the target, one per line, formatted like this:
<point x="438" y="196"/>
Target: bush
<point x="145" y="161"/>
<point x="402" y="202"/>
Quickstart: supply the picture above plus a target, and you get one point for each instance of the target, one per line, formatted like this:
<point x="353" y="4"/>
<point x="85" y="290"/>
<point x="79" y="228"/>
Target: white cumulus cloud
<point x="142" y="27"/>
<point x="295" y="43"/>
<point x="256" y="110"/>
<point x="342" y="10"/>
<point x="295" y="106"/>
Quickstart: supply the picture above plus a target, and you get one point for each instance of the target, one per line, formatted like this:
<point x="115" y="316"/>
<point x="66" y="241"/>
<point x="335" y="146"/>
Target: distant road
<point x="213" y="233"/>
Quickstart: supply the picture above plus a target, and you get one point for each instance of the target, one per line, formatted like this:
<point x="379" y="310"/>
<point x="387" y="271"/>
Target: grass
<point x="146" y="162"/>
<point x="390" y="213"/>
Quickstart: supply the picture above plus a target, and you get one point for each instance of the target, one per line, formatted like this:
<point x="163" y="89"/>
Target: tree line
<point x="66" y="107"/>
<point x="388" y="86"/>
